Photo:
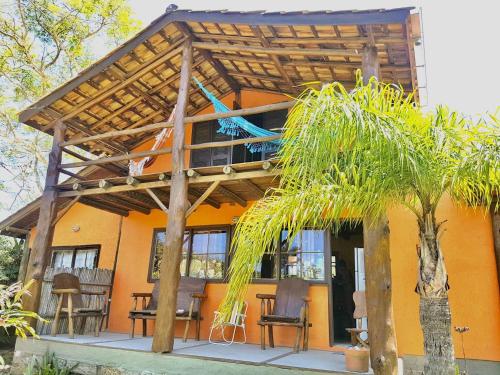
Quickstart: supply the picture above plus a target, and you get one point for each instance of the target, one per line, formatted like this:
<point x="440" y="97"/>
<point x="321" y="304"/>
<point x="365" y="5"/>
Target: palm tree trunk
<point x="435" y="315"/>
<point x="383" y="348"/>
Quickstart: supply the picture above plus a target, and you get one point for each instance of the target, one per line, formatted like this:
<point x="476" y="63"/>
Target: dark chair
<point x="67" y="287"/>
<point x="290" y="309"/>
<point x="359" y="298"/>
<point x="189" y="297"/>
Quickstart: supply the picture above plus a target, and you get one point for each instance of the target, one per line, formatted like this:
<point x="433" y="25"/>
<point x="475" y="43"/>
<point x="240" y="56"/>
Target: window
<point x="304" y="258"/>
<point x="203" y="254"/>
<point x="208" y="132"/>
<point x="75" y="257"/>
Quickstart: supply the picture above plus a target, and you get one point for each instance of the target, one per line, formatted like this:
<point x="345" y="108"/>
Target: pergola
<point x="125" y="99"/>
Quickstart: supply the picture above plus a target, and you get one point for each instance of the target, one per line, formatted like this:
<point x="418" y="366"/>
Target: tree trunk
<point x="382" y="338"/>
<point x="164" y="333"/>
<point x="435" y="315"/>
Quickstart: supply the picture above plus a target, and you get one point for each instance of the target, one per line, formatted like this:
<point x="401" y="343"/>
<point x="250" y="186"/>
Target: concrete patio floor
<point x="269" y="361"/>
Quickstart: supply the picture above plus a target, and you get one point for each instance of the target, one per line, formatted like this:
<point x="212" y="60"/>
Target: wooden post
<point x="40" y="253"/>
<point x="163" y="340"/>
<point x="382" y="336"/>
<point x="23" y="266"/>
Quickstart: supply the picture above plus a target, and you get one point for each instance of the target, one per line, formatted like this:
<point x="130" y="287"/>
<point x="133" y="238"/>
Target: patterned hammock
<point x="238" y="126"/>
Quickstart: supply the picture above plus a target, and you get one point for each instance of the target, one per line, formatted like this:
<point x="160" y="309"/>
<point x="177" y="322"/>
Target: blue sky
<point x="461" y="46"/>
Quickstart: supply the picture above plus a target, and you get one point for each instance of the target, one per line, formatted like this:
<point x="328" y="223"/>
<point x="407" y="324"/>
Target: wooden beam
<point x="117" y="169"/>
<point x="257" y="190"/>
<point x="202" y="198"/>
<point x="308" y="63"/>
<point x="219" y="68"/>
<point x="15" y="230"/>
<point x="162" y="151"/>
<point x="45" y="229"/>
<point x="256" y="30"/>
<point x="187" y="120"/>
<point x="164" y="331"/>
<point x="394" y="40"/>
<point x="111" y="159"/>
<point x="157" y="200"/>
<point x="197" y="194"/>
<point x="71" y="174"/>
<point x="23" y="265"/>
<point x="149" y="65"/>
<point x="124" y="204"/>
<point x="235" y="197"/>
<point x="370" y="64"/>
<point x="276" y="51"/>
<point x="270" y="172"/>
<point x="103" y="206"/>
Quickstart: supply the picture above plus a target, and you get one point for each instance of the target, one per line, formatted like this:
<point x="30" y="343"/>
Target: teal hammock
<point x="238" y="126"/>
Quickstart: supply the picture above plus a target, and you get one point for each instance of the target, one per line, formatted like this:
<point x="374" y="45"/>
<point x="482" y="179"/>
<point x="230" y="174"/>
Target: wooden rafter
<point x="208" y="56"/>
<point x="200" y="180"/>
<point x="202" y="197"/>
<point x="233" y="196"/>
<point x="187" y="120"/>
<point x="256" y="30"/>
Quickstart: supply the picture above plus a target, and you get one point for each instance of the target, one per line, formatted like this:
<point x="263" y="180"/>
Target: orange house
<point x="100" y="218"/>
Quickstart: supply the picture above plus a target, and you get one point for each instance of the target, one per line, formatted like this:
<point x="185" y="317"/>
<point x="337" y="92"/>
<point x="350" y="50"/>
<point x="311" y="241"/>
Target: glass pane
<point x="198" y="266"/>
<point x="85" y="258"/>
<point x="217" y="242"/>
<point x="159" y="245"/>
<point x="309" y="266"/>
<point x="62" y="258"/>
<point x="265" y="269"/>
<point x="313" y="266"/>
<point x="200" y="242"/>
<point x="215" y="266"/>
<point x="313" y="240"/>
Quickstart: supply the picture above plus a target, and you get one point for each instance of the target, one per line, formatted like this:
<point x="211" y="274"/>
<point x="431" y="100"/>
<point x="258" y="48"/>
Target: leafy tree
<point x="355" y="155"/>
<point x="42" y="44"/>
<point x="11" y="251"/>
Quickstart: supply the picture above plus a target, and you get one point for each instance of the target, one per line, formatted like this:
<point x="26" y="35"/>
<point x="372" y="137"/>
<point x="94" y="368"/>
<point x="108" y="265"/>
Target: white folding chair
<point x="236" y="320"/>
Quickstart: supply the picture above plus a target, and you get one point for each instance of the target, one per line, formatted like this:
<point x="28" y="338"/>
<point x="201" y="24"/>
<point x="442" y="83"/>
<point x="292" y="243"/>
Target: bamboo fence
<point x="97" y="279"/>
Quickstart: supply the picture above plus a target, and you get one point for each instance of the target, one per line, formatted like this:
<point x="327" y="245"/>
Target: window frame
<point x="74" y="250"/>
<point x="278" y="255"/>
<point x="191" y="229"/>
<point x="227" y="258"/>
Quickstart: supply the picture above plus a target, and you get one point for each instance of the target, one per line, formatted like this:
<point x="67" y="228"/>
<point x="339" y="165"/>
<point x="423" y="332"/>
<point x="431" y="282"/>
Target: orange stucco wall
<point x="467" y="245"/>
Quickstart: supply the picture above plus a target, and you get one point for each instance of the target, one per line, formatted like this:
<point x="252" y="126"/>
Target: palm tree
<point x="353" y="155"/>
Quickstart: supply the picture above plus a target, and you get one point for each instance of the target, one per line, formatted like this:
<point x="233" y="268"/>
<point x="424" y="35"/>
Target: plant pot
<point x="357" y="359"/>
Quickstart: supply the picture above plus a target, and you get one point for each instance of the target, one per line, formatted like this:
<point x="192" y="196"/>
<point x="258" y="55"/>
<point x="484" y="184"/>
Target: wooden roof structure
<point x="137" y="83"/>
<point x="134" y="88"/>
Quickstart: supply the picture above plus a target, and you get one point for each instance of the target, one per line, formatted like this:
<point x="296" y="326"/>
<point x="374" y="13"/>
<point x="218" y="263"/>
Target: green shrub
<point x="48" y="365"/>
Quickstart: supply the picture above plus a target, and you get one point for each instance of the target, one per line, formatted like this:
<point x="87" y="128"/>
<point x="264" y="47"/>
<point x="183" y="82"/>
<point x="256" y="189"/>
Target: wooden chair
<point x="290" y="309"/>
<point x="359" y="298"/>
<point x="189" y="298"/>
<point x="67" y="287"/>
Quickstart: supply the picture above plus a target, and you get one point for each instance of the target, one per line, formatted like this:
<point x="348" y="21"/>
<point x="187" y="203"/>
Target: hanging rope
<point x="238" y="126"/>
<point x="136" y="168"/>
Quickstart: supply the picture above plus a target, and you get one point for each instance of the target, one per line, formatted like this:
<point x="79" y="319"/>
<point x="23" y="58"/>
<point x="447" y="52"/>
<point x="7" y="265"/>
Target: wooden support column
<point x="40" y="253"/>
<point x="382" y="336"/>
<point x="163" y="340"/>
<point x="23" y="266"/>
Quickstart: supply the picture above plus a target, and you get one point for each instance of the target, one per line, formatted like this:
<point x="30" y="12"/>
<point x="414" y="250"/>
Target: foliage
<point x="354" y="155"/>
<point x="11" y="251"/>
<point x="42" y="44"/>
<point x="48" y="365"/>
<point x="12" y="315"/>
